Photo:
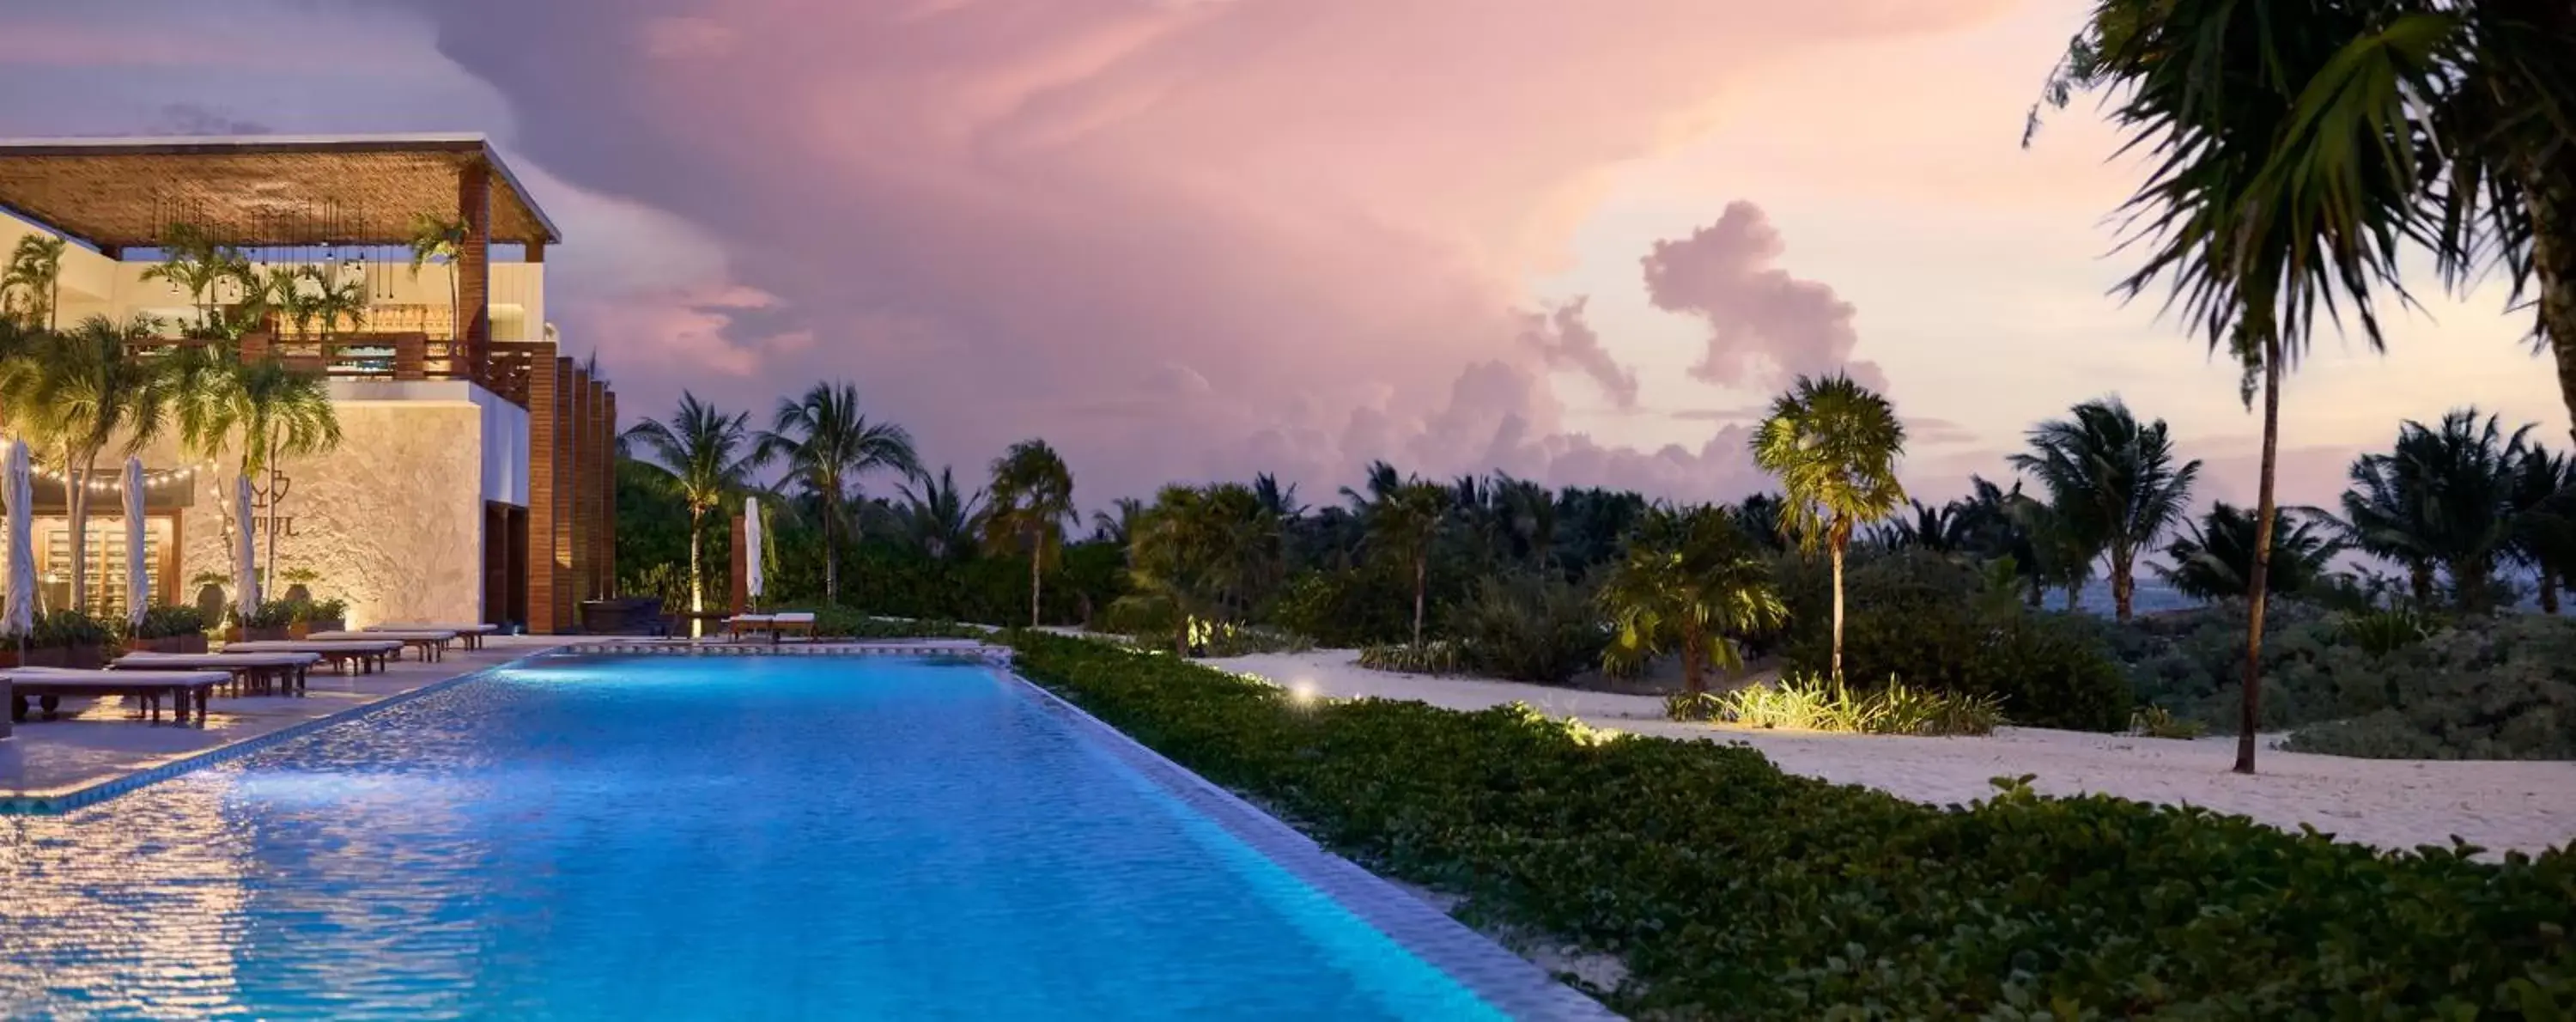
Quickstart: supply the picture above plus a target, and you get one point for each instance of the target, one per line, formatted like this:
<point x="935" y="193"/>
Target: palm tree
<point x="1528" y="513"/>
<point x="936" y="517"/>
<point x="1993" y="526"/>
<point x="284" y="290"/>
<point x="1691" y="582"/>
<point x="1119" y="524"/>
<point x="1206" y="551"/>
<point x="1031" y="500"/>
<point x="2502" y="107"/>
<point x="2280" y="184"/>
<point x="338" y="297"/>
<point x="829" y="445"/>
<point x="1833" y="444"/>
<point x="193" y="263"/>
<point x="1942" y="530"/>
<point x="2214" y="560"/>
<point x="274" y="412"/>
<point x="2113" y="483"/>
<point x="1402" y="522"/>
<point x="2544" y="524"/>
<point x="441" y="238"/>
<point x="705" y="450"/>
<point x="35" y="271"/>
<point x="2442" y="498"/>
<point x="78" y="393"/>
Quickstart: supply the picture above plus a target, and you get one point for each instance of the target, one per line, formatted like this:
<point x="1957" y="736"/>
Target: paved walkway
<point x="97" y="744"/>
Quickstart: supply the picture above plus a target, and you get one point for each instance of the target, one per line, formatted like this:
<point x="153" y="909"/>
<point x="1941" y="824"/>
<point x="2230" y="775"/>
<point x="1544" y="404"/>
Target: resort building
<point x="474" y="479"/>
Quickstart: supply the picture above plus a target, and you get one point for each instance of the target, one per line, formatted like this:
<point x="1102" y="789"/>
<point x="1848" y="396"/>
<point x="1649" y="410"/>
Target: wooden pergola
<point x="276" y="191"/>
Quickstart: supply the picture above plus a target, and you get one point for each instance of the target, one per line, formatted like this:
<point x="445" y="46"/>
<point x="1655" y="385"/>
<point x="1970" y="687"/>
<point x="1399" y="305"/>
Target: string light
<point x="114" y="482"/>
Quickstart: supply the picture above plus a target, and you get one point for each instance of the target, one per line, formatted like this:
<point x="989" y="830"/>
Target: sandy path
<point x="2390" y="803"/>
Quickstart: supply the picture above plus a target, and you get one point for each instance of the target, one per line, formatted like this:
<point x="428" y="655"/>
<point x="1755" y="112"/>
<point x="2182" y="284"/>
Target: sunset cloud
<point x="1766" y="328"/>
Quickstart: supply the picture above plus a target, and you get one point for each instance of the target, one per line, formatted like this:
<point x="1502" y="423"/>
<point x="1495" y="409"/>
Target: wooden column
<point x="543" y="439"/>
<point x="585" y="497"/>
<point x="473" y="269"/>
<point x="603" y="523"/>
<point x="560" y="543"/>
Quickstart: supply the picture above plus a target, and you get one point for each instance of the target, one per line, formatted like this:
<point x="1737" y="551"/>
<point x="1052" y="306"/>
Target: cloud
<point x="197" y="119"/>
<point x="1566" y="341"/>
<point x="1766" y="328"/>
<point x="1925" y="431"/>
<point x="1006" y="217"/>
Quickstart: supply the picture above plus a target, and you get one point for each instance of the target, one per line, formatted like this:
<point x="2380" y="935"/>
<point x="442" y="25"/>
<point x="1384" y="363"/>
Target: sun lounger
<point x="470" y="635"/>
<point x="253" y="673"/>
<point x="368" y="654"/>
<point x="48" y="685"/>
<point x="777" y="625"/>
<point x="431" y="643"/>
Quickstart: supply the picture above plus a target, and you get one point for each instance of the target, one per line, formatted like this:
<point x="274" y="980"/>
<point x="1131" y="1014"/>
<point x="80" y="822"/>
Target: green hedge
<point x="1734" y="890"/>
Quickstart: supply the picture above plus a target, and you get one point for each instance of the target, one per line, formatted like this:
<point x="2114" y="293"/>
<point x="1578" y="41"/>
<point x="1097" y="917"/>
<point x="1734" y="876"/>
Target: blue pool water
<point x="674" y="837"/>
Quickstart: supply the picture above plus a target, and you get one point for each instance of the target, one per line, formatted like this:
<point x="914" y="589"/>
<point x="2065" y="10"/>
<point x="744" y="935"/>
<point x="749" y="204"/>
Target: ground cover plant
<point x="1733" y="890"/>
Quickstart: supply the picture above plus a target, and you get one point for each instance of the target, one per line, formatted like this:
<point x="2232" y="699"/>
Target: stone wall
<point x="392" y="520"/>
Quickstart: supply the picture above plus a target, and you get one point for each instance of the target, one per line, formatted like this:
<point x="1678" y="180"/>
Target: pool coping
<point x="83" y="796"/>
<point x="1510" y="983"/>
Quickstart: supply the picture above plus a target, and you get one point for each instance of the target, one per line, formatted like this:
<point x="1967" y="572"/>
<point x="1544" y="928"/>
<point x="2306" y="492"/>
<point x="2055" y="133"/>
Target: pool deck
<point x="62" y="761"/>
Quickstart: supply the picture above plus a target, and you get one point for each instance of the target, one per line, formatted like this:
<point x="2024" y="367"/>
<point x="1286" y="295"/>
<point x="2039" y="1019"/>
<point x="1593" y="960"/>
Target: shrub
<point x="1539" y="629"/>
<point x="309" y="611"/>
<point x="273" y="614"/>
<point x="2380" y="632"/>
<point x="1940" y="625"/>
<point x="1816" y="704"/>
<point x="2485" y="689"/>
<point x="1435" y="656"/>
<point x="2156" y="722"/>
<point x="1347" y="608"/>
<point x="1733" y="890"/>
<point x="168" y="620"/>
<point x="1227" y="639"/>
<point x="68" y="629"/>
<point x="845" y="623"/>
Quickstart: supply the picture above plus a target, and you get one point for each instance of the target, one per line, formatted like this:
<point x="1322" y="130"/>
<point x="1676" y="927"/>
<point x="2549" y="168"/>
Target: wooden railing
<point x="504" y="367"/>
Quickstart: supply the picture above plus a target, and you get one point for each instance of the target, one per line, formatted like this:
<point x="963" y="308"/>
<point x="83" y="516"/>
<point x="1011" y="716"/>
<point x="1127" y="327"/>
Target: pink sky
<point x="1201" y="238"/>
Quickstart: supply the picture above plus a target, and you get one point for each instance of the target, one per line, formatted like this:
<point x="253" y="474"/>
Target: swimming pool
<point x="685" y="837"/>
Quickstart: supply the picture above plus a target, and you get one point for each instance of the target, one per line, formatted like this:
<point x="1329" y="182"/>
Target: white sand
<point x="2390" y="803"/>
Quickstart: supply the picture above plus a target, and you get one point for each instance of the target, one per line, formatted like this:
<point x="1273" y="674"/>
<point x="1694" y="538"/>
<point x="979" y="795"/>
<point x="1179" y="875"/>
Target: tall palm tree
<point x="1031" y="499"/>
<point x="35" y="273"/>
<point x="1402" y="523"/>
<point x="707" y="450"/>
<point x="81" y="392"/>
<point x="938" y="518"/>
<point x="830" y="445"/>
<point x="2503" y="111"/>
<point x="1833" y="444"/>
<point x="192" y="262"/>
<point x="296" y="305"/>
<point x="271" y="411"/>
<point x="441" y="238"/>
<point x="2280" y="185"/>
<point x="2441" y="498"/>
<point x="1691" y="582"/>
<point x="2214" y="559"/>
<point x="2113" y="483"/>
<point x="1205" y="551"/>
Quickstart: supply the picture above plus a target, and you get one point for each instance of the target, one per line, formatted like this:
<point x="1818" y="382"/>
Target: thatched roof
<point x="257" y="190"/>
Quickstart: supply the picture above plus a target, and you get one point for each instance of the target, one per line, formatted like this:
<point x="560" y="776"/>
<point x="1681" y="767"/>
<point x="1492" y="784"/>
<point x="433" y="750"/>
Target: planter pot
<point x="232" y="633"/>
<point x="169" y="644"/>
<point x="276" y="634"/>
<point x="75" y="657"/>
<point x="332" y="624"/>
<point x="9" y="657"/>
<point x="298" y="629"/>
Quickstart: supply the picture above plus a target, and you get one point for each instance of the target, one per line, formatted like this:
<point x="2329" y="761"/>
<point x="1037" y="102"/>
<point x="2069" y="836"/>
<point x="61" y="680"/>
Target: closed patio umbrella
<point x="18" y="610"/>
<point x="751" y="549"/>
<point x="136" y="592"/>
<point x="245" y="554"/>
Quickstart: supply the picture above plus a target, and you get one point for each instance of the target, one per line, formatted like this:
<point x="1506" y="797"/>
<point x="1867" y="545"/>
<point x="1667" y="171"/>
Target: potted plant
<point x="169" y="628"/>
<point x="312" y="616"/>
<point x="68" y="638"/>
<point x="270" y="621"/>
